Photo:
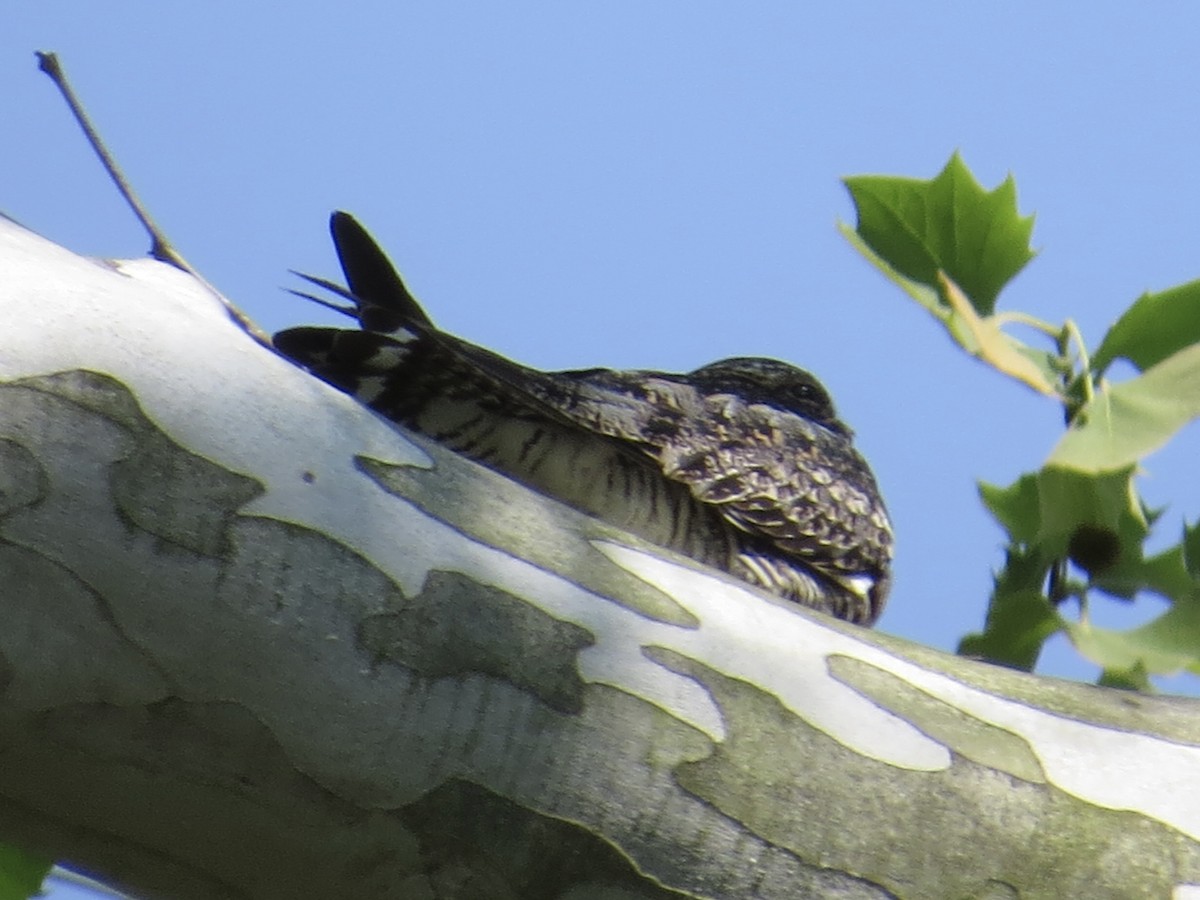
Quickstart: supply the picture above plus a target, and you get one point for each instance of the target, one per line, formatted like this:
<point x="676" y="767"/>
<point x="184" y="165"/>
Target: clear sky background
<point x="656" y="185"/>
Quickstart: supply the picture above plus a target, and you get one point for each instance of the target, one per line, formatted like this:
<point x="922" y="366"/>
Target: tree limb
<point x="257" y="643"/>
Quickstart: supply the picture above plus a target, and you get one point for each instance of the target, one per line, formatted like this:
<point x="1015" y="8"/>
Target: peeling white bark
<point x="254" y="642"/>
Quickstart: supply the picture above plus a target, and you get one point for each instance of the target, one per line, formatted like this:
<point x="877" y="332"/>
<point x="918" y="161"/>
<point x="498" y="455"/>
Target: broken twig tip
<point x="160" y="248"/>
<point x="48" y="63"/>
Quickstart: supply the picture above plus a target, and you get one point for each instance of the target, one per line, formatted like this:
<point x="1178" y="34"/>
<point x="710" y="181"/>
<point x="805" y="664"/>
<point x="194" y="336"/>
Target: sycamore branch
<point x="257" y="643"/>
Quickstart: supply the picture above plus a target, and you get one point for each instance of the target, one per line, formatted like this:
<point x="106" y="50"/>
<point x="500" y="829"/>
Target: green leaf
<point x="1153" y="328"/>
<point x="1135" y="679"/>
<point x="924" y="293"/>
<point x="1017" y="627"/>
<point x="1019" y="617"/>
<point x="949" y="224"/>
<point x="952" y="246"/>
<point x="1124" y="422"/>
<point x="1191" y="549"/>
<point x="981" y="337"/>
<point x="1068" y="499"/>
<point x="1015" y="507"/>
<point x="21" y="873"/>
<point x="988" y="342"/>
<point x="1169" y="644"/>
<point x="1075" y="505"/>
<point x="1165" y="574"/>
<point x="1095" y="519"/>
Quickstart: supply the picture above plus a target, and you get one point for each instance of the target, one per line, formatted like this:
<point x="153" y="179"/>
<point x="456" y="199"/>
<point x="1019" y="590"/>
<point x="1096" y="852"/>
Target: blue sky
<point x="655" y="185"/>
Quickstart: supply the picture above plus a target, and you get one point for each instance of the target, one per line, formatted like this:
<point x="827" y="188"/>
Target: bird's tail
<point x="396" y="348"/>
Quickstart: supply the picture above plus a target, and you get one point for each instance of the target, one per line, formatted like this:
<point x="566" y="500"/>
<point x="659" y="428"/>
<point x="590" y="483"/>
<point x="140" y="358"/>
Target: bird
<point x="741" y="465"/>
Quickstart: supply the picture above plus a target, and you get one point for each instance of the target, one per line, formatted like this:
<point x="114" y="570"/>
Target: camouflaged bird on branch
<point x="741" y="465"/>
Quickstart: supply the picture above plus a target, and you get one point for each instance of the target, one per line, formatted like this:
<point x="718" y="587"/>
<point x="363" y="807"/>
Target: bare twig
<point x="160" y="247"/>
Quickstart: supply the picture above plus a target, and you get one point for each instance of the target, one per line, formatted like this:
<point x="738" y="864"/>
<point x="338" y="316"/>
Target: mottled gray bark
<point x="256" y="643"/>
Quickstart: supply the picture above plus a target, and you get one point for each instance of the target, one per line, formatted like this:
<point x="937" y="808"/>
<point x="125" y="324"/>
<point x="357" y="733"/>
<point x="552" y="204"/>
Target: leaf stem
<point x="1021" y="318"/>
<point x="1085" y="361"/>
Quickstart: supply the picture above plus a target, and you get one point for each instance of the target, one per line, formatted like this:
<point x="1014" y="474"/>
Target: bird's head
<point x="772" y="383"/>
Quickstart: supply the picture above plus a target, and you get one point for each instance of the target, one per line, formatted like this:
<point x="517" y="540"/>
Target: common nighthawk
<point x="742" y="464"/>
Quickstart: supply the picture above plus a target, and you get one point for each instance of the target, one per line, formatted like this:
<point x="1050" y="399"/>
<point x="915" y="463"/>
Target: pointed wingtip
<point x="342" y="223"/>
<point x="369" y="273"/>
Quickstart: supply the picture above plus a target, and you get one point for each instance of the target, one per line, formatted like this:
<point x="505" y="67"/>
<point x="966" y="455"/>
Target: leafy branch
<point x="1076" y="526"/>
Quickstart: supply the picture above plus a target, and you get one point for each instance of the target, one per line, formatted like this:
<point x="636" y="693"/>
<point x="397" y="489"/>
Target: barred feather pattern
<point x="741" y="465"/>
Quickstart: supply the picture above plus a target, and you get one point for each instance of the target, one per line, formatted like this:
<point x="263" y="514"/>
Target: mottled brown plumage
<point x="742" y="464"/>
